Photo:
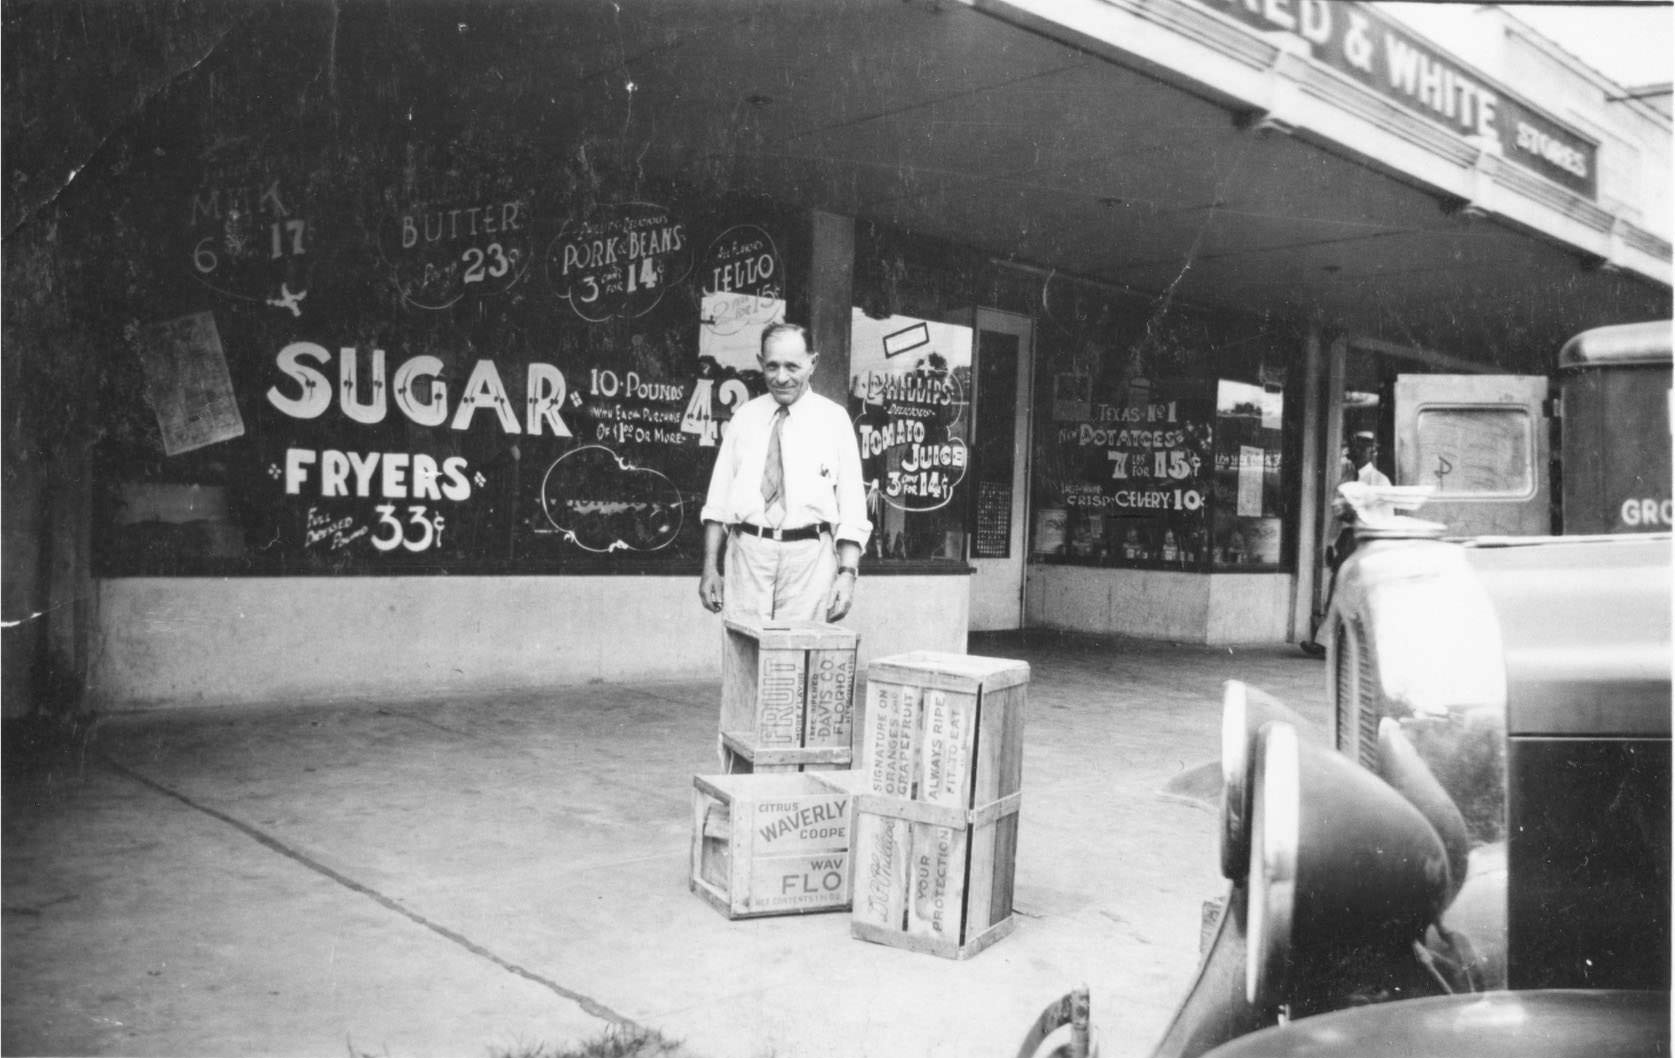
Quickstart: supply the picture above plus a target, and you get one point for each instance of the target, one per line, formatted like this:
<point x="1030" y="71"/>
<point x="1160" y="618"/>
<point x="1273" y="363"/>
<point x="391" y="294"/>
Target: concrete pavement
<point x="490" y="876"/>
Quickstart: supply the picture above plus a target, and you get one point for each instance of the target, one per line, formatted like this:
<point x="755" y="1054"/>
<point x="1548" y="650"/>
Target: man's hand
<point x="710" y="591"/>
<point x="841" y="598"/>
<point x="710" y="582"/>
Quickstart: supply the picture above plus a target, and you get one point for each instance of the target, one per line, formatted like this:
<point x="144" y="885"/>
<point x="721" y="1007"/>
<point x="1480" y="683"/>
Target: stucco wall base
<point x="1158" y="604"/>
<point x="164" y="642"/>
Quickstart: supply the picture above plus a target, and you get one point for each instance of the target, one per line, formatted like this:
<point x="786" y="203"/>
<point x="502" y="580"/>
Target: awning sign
<point x="1379" y="53"/>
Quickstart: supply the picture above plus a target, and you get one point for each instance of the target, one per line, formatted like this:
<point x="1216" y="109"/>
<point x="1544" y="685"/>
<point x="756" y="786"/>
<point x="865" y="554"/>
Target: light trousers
<point x="767" y="580"/>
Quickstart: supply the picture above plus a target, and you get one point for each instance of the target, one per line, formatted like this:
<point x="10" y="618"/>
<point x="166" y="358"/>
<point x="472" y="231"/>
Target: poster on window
<point x="187" y="383"/>
<point x="1249" y="498"/>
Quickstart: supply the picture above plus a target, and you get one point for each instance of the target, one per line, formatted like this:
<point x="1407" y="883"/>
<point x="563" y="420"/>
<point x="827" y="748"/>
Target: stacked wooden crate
<point x="770" y="844"/>
<point x="767" y="840"/>
<point x="936" y="805"/>
<point x="787" y="697"/>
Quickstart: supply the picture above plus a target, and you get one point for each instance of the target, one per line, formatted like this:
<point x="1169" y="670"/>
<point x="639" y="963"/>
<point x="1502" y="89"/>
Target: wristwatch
<point x="851" y="570"/>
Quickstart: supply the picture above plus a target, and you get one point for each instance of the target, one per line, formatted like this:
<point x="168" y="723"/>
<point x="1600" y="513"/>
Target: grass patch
<point x="617" y="1041"/>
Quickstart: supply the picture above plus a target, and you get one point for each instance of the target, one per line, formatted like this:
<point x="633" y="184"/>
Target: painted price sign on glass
<point x="909" y="387"/>
<point x="619" y="262"/>
<point x="440" y="253"/>
<point x="700" y="416"/>
<point x="602" y="502"/>
<point x="1141" y="457"/>
<point x="744" y="281"/>
<point x="251" y="241"/>
<point x="906" y="433"/>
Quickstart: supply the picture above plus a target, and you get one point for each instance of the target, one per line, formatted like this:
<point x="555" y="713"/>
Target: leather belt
<point x="807" y="532"/>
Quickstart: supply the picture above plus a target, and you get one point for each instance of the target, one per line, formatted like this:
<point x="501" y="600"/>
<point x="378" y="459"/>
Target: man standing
<point x="786" y="498"/>
<point x="1363" y="450"/>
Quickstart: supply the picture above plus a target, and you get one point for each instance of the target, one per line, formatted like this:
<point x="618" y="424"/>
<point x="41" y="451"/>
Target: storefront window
<point x="1137" y="474"/>
<point x="910" y="398"/>
<point x="1169" y="474"/>
<point x="560" y="417"/>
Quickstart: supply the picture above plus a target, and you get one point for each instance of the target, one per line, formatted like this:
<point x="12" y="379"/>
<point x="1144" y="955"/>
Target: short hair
<point x="774" y="329"/>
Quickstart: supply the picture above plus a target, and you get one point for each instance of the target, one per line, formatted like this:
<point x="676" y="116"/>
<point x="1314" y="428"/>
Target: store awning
<point x="958" y="123"/>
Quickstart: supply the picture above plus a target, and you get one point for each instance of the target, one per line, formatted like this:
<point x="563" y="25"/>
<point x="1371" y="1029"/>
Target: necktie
<point x="773" y="470"/>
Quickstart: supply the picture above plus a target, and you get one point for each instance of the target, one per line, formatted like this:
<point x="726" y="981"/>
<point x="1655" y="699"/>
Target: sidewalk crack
<point x="587" y="1003"/>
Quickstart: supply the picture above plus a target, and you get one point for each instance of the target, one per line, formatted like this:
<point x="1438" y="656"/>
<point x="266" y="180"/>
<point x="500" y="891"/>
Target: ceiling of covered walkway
<point x="953" y="123"/>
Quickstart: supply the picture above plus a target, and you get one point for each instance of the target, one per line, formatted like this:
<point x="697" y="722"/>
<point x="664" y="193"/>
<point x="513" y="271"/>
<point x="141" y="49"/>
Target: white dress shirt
<point x="1371" y="475"/>
<point x="822" y="468"/>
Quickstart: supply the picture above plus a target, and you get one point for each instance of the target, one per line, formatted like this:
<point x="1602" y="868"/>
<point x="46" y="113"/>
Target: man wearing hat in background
<point x="1363" y="453"/>
<point x="786" y="498"/>
<point x="1361" y="466"/>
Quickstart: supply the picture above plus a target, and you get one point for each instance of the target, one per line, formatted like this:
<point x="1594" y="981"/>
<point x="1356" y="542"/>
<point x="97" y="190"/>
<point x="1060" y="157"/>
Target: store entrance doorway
<point x="999" y="475"/>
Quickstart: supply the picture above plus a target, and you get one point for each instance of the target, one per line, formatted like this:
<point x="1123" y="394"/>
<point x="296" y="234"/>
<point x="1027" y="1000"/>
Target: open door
<point x="1000" y="447"/>
<point x="1482" y="442"/>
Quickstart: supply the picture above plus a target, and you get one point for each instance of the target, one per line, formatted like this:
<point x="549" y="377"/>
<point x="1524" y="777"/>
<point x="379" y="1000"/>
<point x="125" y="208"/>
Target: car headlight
<point x="1330" y="837"/>
<point x="1244" y="709"/>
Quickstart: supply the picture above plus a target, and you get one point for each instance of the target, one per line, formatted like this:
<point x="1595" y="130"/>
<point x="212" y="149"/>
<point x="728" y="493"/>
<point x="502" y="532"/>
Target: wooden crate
<point x="936" y="805"/>
<point x="787" y="697"/>
<point x="774" y="844"/>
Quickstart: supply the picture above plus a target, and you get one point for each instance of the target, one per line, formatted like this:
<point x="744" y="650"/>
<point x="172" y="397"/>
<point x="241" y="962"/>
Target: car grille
<point x="1355" y="699"/>
<point x="1367" y="708"/>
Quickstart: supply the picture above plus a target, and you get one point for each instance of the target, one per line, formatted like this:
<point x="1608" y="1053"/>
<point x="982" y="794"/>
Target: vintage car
<point x="1477" y="859"/>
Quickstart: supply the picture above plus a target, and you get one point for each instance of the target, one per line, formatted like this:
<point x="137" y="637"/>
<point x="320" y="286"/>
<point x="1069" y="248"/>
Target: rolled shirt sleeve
<point x="718" y="504"/>
<point x="851" y="490"/>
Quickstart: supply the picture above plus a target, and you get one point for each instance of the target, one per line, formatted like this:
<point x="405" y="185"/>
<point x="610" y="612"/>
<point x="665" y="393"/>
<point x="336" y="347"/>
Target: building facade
<point x="366" y="351"/>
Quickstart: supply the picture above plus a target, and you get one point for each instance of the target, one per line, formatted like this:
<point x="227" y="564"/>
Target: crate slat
<point x="939" y="815"/>
<point x="930" y="945"/>
<point x="763" y="756"/>
<point x="890" y="750"/>
<point x="830" y="719"/>
<point x="957" y="672"/>
<point x="947" y="762"/>
<point x="937" y="864"/>
<point x="880" y="871"/>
